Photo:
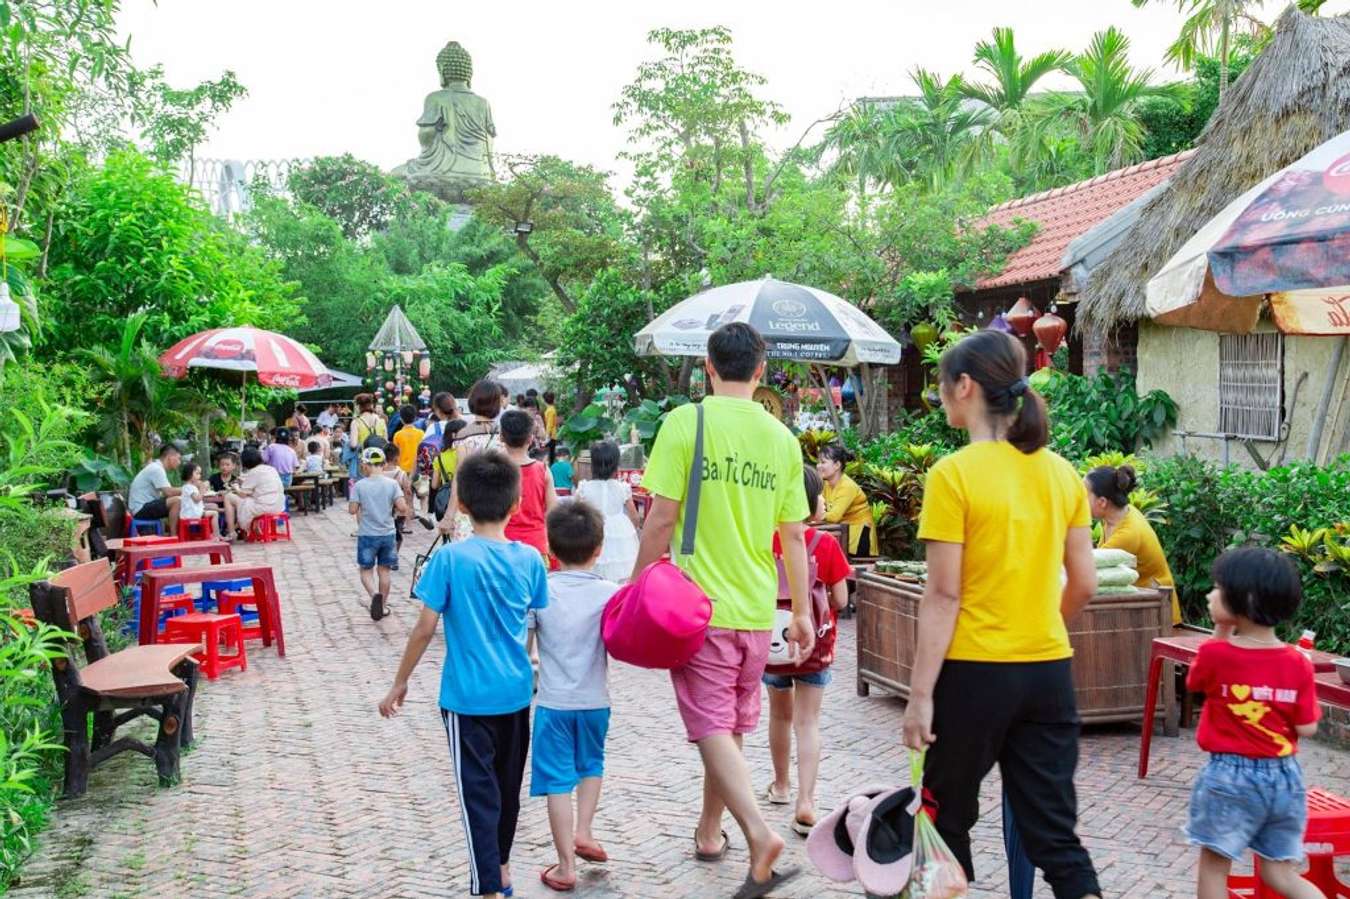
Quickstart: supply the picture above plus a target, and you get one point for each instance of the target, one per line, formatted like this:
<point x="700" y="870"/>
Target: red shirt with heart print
<point x="1254" y="697"/>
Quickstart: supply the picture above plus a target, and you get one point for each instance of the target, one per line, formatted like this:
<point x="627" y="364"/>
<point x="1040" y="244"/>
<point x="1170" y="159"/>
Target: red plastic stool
<point x="266" y="528"/>
<point x="1327" y="837"/>
<point x="211" y="630"/>
<point x="203" y="528"/>
<point x="237" y="602"/>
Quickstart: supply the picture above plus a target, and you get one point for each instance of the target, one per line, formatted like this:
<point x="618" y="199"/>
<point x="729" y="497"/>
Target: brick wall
<point x="1110" y="352"/>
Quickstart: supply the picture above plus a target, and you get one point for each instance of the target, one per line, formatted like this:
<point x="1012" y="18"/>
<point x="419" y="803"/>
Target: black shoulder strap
<point x="695" y="485"/>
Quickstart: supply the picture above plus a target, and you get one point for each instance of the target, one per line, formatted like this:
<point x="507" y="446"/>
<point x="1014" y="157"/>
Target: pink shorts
<point x="718" y="689"/>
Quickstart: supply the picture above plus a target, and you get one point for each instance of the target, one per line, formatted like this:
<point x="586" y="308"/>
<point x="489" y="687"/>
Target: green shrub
<point x="1103" y="414"/>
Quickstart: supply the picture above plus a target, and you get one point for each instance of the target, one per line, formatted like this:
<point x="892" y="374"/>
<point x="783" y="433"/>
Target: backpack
<point x="822" y="655"/>
<point x="661" y="619"/>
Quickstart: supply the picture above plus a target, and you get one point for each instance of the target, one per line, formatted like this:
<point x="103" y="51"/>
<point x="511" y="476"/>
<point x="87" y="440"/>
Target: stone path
<point x="298" y="789"/>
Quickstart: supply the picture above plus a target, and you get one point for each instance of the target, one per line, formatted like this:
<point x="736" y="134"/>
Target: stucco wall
<point x="1185" y="363"/>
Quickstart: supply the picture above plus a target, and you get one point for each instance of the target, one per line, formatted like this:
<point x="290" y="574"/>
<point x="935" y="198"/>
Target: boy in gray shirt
<point x="571" y="717"/>
<point x="374" y="501"/>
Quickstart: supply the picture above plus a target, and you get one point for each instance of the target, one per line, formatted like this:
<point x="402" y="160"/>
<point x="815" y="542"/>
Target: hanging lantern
<point x="388" y="362"/>
<point x="424" y="367"/>
<point x="370" y="361"/>
<point x="999" y="323"/>
<point x="407" y="357"/>
<point x="389" y="386"/>
<point x="923" y="334"/>
<point x="1022" y="317"/>
<point x="407" y="390"/>
<point x="1050" y="330"/>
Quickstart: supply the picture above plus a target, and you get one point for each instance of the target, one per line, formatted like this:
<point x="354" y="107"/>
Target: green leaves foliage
<point x="1104" y="413"/>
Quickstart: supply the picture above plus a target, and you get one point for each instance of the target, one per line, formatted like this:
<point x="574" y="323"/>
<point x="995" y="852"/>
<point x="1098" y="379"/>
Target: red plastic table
<point x="1182" y="650"/>
<point x="1332" y="690"/>
<point x="155" y="580"/>
<point x="130" y="557"/>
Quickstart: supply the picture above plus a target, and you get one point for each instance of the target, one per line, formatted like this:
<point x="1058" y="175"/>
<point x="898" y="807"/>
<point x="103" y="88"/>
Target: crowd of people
<point x="530" y="556"/>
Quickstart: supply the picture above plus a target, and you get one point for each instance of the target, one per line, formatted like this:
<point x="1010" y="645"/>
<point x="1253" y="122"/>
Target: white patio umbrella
<point x="798" y="323"/>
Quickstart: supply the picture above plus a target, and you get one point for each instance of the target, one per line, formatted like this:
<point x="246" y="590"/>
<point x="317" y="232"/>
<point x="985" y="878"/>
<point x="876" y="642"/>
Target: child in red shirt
<point x="1259" y="699"/>
<point x="537" y="495"/>
<point x="795" y="698"/>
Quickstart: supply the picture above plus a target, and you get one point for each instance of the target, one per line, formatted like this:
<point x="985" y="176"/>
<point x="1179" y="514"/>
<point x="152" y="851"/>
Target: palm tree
<point x="128" y="381"/>
<point x="1105" y="112"/>
<point x="1009" y="91"/>
<point x="940" y="129"/>
<point x="1209" y="27"/>
<point x="862" y="144"/>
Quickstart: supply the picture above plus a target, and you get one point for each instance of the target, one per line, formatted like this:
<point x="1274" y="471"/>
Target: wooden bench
<point x="328" y="488"/>
<point x="159" y="681"/>
<point x="302" y="495"/>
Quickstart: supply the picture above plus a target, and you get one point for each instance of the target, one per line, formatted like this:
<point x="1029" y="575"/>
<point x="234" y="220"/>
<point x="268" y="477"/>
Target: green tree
<point x="356" y="194"/>
<point x="1106" y="111"/>
<point x="1008" y="92"/>
<point x="1174" y="122"/>
<point x="132" y="239"/>
<point x="860" y="144"/>
<point x="1211" y="27"/>
<point x="175" y="121"/>
<point x="125" y="380"/>
<point x="943" y="131"/>
<point x="458" y="314"/>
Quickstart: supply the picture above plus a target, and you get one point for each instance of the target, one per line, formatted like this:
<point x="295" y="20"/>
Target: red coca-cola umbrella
<point x="274" y="359"/>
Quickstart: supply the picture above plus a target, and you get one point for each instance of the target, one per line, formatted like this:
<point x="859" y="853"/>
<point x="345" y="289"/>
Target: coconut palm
<point x="1209" y="27"/>
<point x="862" y="142"/>
<point x="1105" y="109"/>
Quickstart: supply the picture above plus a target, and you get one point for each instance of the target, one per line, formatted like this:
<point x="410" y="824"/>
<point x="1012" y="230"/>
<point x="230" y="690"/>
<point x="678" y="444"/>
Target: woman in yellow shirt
<point x="991" y="683"/>
<point x="1125" y="527"/>
<point x="845" y="502"/>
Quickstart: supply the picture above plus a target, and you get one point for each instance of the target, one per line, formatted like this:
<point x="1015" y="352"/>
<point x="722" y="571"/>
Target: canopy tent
<point x="397" y="335"/>
<point x="520" y="377"/>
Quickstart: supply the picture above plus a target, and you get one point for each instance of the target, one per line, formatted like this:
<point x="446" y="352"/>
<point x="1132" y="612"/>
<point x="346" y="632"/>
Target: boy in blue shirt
<point x="562" y="469"/>
<point x="485" y="587"/>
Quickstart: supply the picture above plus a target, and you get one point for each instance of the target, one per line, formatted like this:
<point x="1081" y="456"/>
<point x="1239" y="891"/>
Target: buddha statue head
<point x="454" y="64"/>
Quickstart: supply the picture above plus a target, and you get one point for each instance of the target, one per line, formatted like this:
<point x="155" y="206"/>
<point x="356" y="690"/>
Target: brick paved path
<point x="298" y="788"/>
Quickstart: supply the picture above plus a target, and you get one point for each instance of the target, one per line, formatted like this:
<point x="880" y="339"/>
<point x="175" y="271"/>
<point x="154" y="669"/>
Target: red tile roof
<point x="1066" y="212"/>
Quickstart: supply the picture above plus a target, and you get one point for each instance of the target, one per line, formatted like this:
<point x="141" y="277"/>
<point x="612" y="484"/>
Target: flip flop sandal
<point x="712" y="856"/>
<point x="753" y="889"/>
<point x="801" y="828"/>
<point x="595" y="853"/>
<point x="553" y="883"/>
<point x="775" y="798"/>
<point x="508" y="892"/>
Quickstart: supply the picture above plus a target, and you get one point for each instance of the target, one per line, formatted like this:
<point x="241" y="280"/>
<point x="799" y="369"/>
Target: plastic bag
<point x="937" y="873"/>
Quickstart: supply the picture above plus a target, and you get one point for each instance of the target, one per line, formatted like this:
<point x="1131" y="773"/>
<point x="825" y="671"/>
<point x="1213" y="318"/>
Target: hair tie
<point x="1017" y="388"/>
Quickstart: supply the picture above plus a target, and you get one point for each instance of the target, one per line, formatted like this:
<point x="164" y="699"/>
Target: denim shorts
<point x="785" y="681"/>
<point x="372" y="551"/>
<point x="569" y="745"/>
<point x="1240" y="803"/>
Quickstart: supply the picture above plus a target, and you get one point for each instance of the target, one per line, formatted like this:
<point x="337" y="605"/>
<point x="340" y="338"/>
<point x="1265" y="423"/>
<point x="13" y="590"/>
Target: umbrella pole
<point x="243" y="406"/>
<point x="829" y="397"/>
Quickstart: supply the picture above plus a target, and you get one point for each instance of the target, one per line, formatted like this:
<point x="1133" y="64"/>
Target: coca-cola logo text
<point x="1337" y="176"/>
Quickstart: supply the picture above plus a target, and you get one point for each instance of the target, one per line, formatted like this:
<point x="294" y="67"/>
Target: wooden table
<point x="1332" y="690"/>
<point x="129" y="558"/>
<point x="1181" y="650"/>
<point x="1110" y="639"/>
<point x="155" y="580"/>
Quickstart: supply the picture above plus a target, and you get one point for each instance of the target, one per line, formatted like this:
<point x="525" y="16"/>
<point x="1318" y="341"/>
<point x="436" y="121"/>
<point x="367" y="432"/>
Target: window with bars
<point x="1251" y="385"/>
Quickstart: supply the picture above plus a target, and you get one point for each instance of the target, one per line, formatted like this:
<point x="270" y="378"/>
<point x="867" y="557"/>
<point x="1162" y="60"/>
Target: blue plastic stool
<point x="157" y="524"/>
<point x="207" y="600"/>
<point x="133" y="624"/>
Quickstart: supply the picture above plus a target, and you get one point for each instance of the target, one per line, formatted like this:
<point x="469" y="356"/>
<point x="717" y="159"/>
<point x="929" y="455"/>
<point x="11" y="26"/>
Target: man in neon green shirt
<point x="751" y="487"/>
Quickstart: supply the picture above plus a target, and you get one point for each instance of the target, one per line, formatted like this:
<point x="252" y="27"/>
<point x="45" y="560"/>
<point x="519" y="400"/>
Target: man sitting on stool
<point x="151" y="497"/>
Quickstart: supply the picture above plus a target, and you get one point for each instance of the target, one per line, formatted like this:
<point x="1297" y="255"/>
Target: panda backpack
<point x="822" y="655"/>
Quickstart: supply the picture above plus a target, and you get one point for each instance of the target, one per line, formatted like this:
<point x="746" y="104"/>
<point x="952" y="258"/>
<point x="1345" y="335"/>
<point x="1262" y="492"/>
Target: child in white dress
<point x="613" y="499"/>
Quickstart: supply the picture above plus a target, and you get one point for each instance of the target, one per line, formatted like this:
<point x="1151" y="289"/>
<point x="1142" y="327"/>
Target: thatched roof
<point x="1295" y="96"/>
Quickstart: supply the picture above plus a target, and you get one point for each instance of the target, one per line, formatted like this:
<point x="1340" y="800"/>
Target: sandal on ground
<point x="592" y="853"/>
<point x="508" y="891"/>
<point x="376" y="607"/>
<point x="712" y="856"/>
<point x="801" y="828"/>
<point x="753" y="889"/>
<point x="775" y="798"/>
<point x="560" y="886"/>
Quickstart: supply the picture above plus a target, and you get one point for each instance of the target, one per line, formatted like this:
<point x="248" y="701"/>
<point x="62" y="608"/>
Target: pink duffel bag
<point x="661" y="619"/>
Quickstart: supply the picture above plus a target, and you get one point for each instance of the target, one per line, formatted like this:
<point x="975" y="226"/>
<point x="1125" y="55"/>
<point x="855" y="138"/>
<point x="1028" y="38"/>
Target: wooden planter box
<point x="1111" y="639"/>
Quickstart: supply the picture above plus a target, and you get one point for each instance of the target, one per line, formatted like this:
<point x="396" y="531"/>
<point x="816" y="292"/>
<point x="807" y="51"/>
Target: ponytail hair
<point x="998" y="363"/>
<point x="1113" y="484"/>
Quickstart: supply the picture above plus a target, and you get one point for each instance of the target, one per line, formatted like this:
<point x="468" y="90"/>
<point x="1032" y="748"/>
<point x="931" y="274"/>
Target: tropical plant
<point x="1103" y="414"/>
<point x="586" y="427"/>
<point x="1008" y="91"/>
<point x="940" y="130"/>
<point x="648" y="416"/>
<point x="126" y="380"/>
<point x="1105" y="111"/>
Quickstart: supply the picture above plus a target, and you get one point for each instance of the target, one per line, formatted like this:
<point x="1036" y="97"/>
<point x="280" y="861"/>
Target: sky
<point x="332" y="76"/>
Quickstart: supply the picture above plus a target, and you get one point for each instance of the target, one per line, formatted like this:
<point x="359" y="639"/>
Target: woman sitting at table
<point x="260" y="493"/>
<point x="1125" y="527"/>
<point x="845" y="502"/>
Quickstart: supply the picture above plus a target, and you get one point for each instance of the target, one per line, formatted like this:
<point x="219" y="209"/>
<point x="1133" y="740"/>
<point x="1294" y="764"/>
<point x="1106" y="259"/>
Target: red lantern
<point x="1021" y="317"/>
<point x="424" y="368"/>
<point x="1050" y="330"/>
<point x="389" y="386"/>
